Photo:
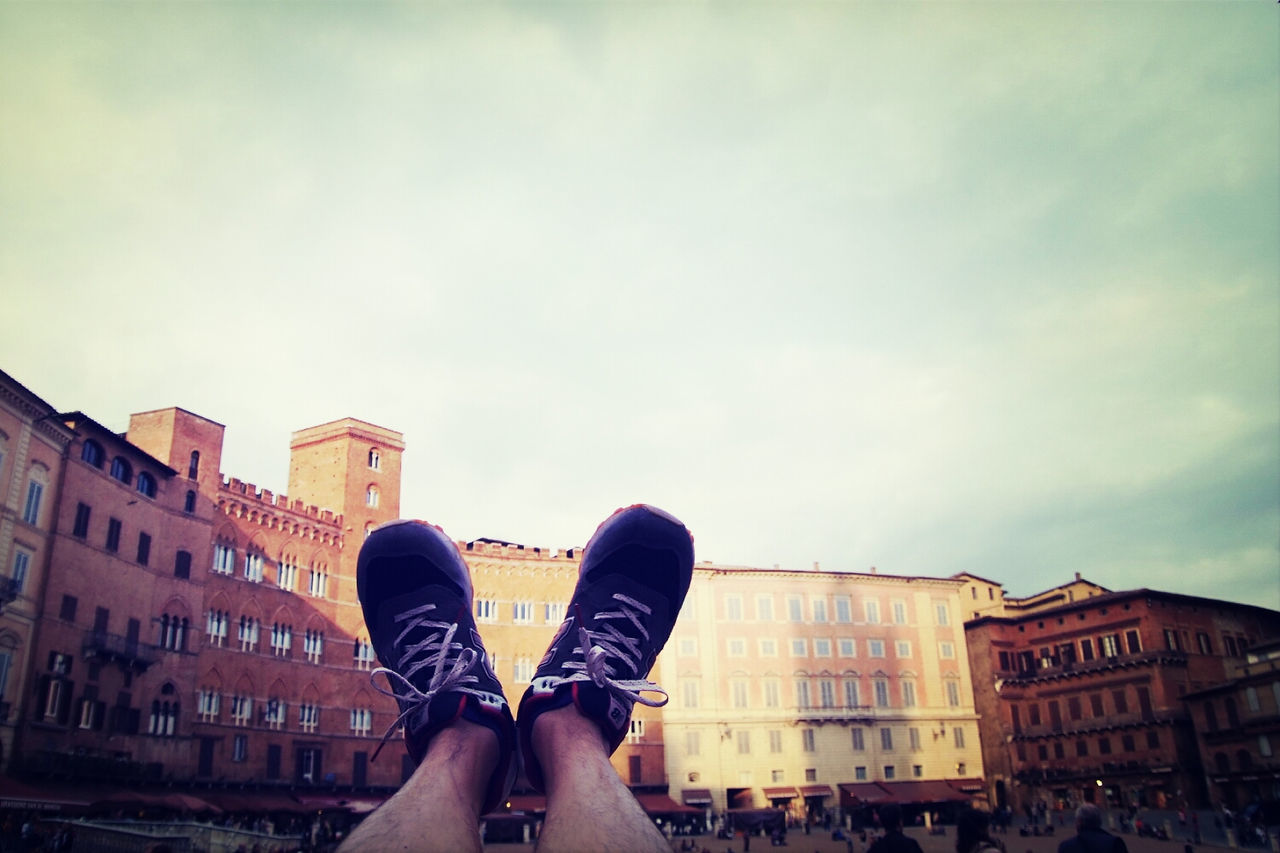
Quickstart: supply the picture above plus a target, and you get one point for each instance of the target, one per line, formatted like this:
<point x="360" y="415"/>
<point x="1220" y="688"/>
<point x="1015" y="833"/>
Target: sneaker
<point x="634" y="575"/>
<point x="415" y="590"/>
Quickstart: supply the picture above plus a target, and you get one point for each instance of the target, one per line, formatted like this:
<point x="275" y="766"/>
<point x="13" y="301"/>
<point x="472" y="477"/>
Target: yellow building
<point x="810" y="690"/>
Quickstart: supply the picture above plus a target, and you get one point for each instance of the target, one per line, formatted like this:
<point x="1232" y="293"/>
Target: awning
<point x="816" y="790"/>
<point x="780" y="793"/>
<point x="340" y="802"/>
<point x="255" y="801"/>
<point x="18" y="795"/>
<point x="864" y="792"/>
<point x="743" y="796"/>
<point x="697" y="796"/>
<point x="662" y="804"/>
<point x="527" y="802"/>
<point x="924" y="791"/>
<point x="968" y="786"/>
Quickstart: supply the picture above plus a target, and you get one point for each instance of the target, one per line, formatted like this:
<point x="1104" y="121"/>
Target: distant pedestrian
<point x="1090" y="836"/>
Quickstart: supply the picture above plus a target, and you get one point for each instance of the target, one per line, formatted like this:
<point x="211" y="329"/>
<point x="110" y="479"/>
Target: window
<point x="777" y="775"/>
<point x="848" y="648"/>
<point x="1134" y="644"/>
<point x="1095" y="704"/>
<point x="913" y="739"/>
<point x="733" y="608"/>
<point x="688" y="647"/>
<point x="889" y="771"/>
<point x="795" y="608"/>
<point x="902" y="648"/>
<point x="193" y="465"/>
<point x="764" y="608"/>
<point x="308" y="717"/>
<point x="1109" y="645"/>
<point x="799" y="647"/>
<point x="31" y="510"/>
<point x="1264" y="746"/>
<point x="822" y="648"/>
<point x="860" y="774"/>
<point x="553" y="614"/>
<point x="224" y="558"/>
<point x="81" y="527"/>
<point x="1104" y="746"/>
<point x="843" y="611"/>
<point x="859" y="740"/>
<point x="635" y="732"/>
<point x="689" y="693"/>
<point x="1122" y="701"/>
<point x="144" y="548"/>
<point x="875" y="648"/>
<point x="281" y="640"/>
<point x="917" y="770"/>
<point x="146" y="485"/>
<point x="873" y="612"/>
<point x="182" y="565"/>
<point x="241" y="710"/>
<point x="361" y="721"/>
<point x="957" y="735"/>
<point x="899" y="609"/>
<point x="522" y="612"/>
<point x="1086" y="649"/>
<point x="768" y="647"/>
<point x="952" y="687"/>
<point x="121" y="470"/>
<point x="1204" y="643"/>
<point x="287" y="572"/>
<point x="208" y="704"/>
<point x="21" y="565"/>
<point x="318" y="581"/>
<point x="851" y="697"/>
<point x="189" y="503"/>
<point x="943" y="612"/>
<point x="375" y="459"/>
<point x="67" y="612"/>
<point x="216" y="627"/>
<point x="1126" y="743"/>
<point x="163" y="721"/>
<point x="248" y="634"/>
<point x="274" y="714"/>
<point x="772" y="693"/>
<point x="253" y="566"/>
<point x="737" y="647"/>
<point x="313" y="645"/>
<point x="806" y="740"/>
<point x="486" y="610"/>
<point x="240" y="748"/>
<point x="908" y="694"/>
<point x="371" y="497"/>
<point x="523" y="669"/>
<point x="775" y="741"/>
<point x="173" y="632"/>
<point x="738" y="690"/>
<point x="1251" y="699"/>
<point x="886" y="738"/>
<point x="744" y="741"/>
<point x="802" y="693"/>
<point x="693" y="743"/>
<point x="92" y="453"/>
<point x="819" y="608"/>
<point x="946" y="651"/>
<point x="827" y="693"/>
<point x="362" y="655"/>
<point x="880" y="687"/>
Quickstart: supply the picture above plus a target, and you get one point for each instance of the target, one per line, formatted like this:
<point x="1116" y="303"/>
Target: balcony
<point x="1076" y="669"/>
<point x="130" y="654"/>
<point x="841" y="714"/>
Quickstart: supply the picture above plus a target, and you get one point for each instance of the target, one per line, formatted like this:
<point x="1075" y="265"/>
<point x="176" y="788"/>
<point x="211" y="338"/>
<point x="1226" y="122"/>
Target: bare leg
<point x="589" y="809"/>
<point x="438" y="809"/>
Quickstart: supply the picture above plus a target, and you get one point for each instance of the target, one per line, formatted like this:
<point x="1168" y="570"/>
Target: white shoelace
<point x="432" y="651"/>
<point x="608" y="641"/>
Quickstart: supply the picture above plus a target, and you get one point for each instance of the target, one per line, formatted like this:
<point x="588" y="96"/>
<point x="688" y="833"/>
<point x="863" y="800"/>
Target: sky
<point x="930" y="287"/>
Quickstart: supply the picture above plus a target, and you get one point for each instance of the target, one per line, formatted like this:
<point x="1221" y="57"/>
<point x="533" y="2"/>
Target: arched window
<point x="146" y="484"/>
<point x="193" y="467"/>
<point x="92" y="453"/>
<point x="163" y="721"/>
<point x="121" y="470"/>
<point x="375" y="459"/>
<point x="189" y="505"/>
<point x="371" y="496"/>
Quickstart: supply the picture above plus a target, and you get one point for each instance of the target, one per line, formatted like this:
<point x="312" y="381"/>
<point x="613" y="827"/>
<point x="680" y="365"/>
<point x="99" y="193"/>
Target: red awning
<point x="662" y="804"/>
<point x="816" y="790"/>
<point x="526" y="803"/>
<point x="924" y="791"/>
<point x="968" y="786"/>
<point x="18" y="795"/>
<point x="340" y="802"/>
<point x="780" y="793"/>
<point x="697" y="796"/>
<point x="864" y="792"/>
<point x="743" y="796"/>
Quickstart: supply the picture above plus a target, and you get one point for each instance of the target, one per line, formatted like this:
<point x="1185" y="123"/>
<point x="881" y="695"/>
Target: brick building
<point x="1080" y="692"/>
<point x="1237" y="726"/>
